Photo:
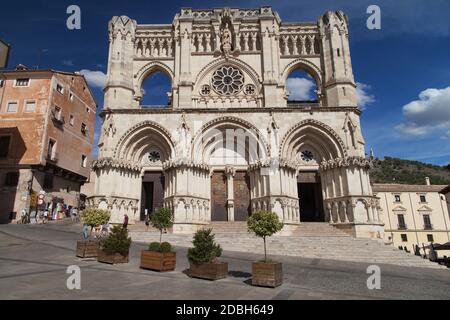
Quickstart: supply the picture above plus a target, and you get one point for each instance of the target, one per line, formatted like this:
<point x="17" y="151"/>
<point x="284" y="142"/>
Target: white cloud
<point x="95" y="79"/>
<point x="430" y="112"/>
<point x="300" y="88"/>
<point x="68" y="63"/>
<point x="411" y="129"/>
<point x="362" y="95"/>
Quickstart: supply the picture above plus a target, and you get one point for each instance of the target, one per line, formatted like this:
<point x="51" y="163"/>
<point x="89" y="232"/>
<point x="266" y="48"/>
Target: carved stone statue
<point x="226" y="39"/>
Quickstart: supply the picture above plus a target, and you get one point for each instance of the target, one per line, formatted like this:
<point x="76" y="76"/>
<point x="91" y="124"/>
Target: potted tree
<point x="92" y="218"/>
<point x="203" y="257"/>
<point x="265" y="273"/>
<point x="115" y="247"/>
<point x="159" y="255"/>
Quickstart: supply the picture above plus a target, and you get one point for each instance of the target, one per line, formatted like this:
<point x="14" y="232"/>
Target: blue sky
<point x="403" y="70"/>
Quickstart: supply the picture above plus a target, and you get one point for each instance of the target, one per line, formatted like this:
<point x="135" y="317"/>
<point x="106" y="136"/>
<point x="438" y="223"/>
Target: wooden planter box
<point x="160" y="261"/>
<point x="267" y="274"/>
<point x="210" y="271"/>
<point x="87" y="248"/>
<point x="111" y="258"/>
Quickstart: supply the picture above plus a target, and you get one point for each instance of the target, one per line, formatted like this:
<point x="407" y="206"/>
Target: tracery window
<point x="154" y="156"/>
<point x="307" y="156"/>
<point x="227" y="80"/>
<point x="206" y="90"/>
<point x="250" y="89"/>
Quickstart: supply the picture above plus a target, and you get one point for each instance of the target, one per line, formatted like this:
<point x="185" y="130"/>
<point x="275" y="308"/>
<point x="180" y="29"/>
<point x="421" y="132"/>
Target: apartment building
<point x="413" y="214"/>
<point x="47" y="122"/>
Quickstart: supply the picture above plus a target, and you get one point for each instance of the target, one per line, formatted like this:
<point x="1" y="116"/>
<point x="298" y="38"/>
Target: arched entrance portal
<point x="149" y="145"/>
<point x="308" y="144"/>
<point x="228" y="146"/>
<point x="152" y="196"/>
<point x="309" y="190"/>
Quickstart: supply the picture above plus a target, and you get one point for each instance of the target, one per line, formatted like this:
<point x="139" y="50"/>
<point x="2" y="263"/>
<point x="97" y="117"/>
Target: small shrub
<point x="165" y="247"/>
<point x="117" y="241"/>
<point x="264" y="224"/>
<point x="94" y="217"/>
<point x="205" y="250"/>
<point x="154" y="246"/>
<point x="162" y="219"/>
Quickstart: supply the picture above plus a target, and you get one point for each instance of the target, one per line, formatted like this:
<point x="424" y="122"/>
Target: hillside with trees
<point x="395" y="170"/>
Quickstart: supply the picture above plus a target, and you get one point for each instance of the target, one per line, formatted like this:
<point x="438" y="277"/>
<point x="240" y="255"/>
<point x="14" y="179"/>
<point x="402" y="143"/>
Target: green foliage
<point x="165" y="247"/>
<point x="395" y="170"/>
<point x="117" y="241"/>
<point x="205" y="249"/>
<point x="264" y="223"/>
<point x="154" y="246"/>
<point x="94" y="217"/>
<point x="160" y="247"/>
<point x="162" y="219"/>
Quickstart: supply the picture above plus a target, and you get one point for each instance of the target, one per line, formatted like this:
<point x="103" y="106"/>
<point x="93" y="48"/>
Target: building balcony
<point x="58" y="120"/>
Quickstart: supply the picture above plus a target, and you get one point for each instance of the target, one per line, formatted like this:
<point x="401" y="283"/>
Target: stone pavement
<point x="34" y="259"/>
<point x="308" y="240"/>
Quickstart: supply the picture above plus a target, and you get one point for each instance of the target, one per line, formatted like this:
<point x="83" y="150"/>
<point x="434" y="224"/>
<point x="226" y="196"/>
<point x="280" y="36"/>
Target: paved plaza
<point x="34" y="260"/>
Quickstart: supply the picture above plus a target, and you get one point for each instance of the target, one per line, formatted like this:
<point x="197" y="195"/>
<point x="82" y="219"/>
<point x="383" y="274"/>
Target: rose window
<point x="154" y="156"/>
<point x="306" y="155"/>
<point x="228" y="80"/>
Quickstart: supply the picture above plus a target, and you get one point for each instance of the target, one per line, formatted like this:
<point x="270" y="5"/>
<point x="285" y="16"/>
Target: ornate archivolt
<point x="227" y="80"/>
<point x="313" y="134"/>
<point x="211" y="135"/>
<point x="237" y="63"/>
<point x="142" y="137"/>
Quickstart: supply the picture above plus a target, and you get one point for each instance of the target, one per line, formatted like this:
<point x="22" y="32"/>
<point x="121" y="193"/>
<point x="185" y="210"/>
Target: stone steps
<point x="309" y="240"/>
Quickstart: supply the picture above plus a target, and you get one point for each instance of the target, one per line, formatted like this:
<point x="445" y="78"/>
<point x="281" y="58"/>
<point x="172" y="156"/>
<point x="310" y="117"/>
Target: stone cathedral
<point x="230" y="142"/>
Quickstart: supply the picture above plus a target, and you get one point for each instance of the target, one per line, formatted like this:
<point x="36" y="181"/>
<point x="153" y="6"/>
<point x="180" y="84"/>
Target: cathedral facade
<point x="230" y="141"/>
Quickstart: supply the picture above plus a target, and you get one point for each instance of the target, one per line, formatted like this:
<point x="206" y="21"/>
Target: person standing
<point x="125" y="221"/>
<point x="147" y="221"/>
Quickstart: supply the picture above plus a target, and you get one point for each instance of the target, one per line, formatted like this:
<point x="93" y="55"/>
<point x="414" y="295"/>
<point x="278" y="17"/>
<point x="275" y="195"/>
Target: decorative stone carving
<point x="226" y="40"/>
<point x="346" y="162"/>
<point x="227" y="80"/>
<point x="115" y="163"/>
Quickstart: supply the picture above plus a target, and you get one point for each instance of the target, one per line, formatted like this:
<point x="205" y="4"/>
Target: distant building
<point x="413" y="214"/>
<point x="446" y="193"/>
<point x="47" y="121"/>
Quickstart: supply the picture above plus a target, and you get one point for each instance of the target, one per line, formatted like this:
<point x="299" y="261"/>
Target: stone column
<point x="230" y="172"/>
